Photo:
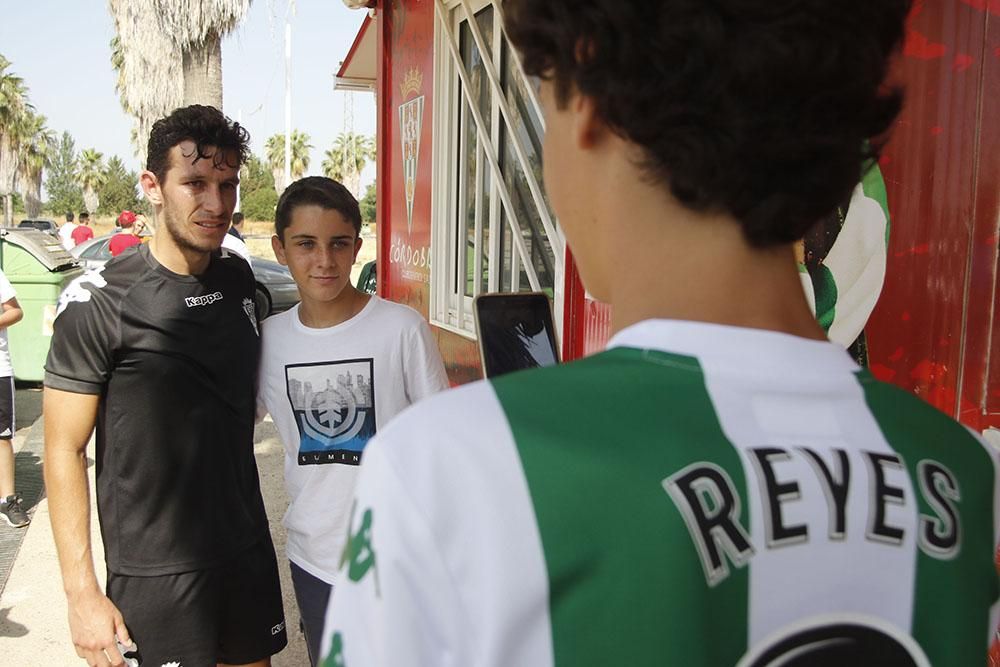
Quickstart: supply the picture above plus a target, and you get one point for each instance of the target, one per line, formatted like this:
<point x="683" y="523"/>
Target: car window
<point x="97" y="251"/>
<point x="33" y="225"/>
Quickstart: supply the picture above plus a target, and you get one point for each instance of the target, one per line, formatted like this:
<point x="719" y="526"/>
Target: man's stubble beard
<point x="176" y="230"/>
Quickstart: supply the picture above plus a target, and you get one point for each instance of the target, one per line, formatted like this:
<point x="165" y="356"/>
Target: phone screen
<point x="515" y="332"/>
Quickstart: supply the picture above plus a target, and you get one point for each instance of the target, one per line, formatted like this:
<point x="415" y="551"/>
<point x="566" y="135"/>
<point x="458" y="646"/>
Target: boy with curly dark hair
<point x="160" y="349"/>
<point x="722" y="486"/>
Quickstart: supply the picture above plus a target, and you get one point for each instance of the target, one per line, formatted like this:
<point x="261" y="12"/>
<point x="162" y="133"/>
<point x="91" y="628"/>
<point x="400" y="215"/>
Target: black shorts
<point x="6" y="408"/>
<point x="230" y="614"/>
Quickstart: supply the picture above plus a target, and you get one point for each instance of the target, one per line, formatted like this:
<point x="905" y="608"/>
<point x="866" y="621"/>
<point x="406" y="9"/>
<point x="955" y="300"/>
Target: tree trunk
<point x="8" y="166"/>
<point x="33" y="206"/>
<point x="203" y="73"/>
<point x="91" y="200"/>
<point x="8" y="210"/>
<point x="279" y="180"/>
<point x="31" y="190"/>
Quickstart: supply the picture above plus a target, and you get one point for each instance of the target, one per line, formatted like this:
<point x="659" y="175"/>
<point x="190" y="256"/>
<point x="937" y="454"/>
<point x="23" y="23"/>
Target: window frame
<point x="450" y="306"/>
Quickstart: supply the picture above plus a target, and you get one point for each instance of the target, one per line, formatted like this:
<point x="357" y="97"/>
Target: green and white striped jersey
<point x="695" y="495"/>
<point x="844" y="283"/>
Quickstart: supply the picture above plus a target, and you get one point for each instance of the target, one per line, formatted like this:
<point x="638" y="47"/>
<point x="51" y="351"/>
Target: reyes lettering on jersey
<point x="203" y="300"/>
<point x="711" y="506"/>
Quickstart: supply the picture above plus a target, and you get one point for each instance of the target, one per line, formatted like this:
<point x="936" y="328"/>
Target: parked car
<point x="276" y="290"/>
<point x="47" y="226"/>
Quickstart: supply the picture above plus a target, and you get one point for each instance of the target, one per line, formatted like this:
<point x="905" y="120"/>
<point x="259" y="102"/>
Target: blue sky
<point x="61" y="51"/>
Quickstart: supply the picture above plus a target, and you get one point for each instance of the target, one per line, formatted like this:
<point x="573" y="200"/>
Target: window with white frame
<point x="493" y="229"/>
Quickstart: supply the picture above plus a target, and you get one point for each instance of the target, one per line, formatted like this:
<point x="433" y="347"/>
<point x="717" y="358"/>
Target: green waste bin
<point x="39" y="268"/>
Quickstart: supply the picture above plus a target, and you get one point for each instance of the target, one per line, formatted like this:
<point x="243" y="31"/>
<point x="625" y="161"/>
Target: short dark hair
<point x="237" y="218"/>
<point x="69" y="216"/>
<point x="204" y="125"/>
<point x="766" y="110"/>
<point x="316" y="191"/>
<point x="83" y="215"/>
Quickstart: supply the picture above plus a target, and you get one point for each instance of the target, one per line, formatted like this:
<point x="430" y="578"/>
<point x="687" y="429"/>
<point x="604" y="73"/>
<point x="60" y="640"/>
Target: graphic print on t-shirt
<point x="334" y="407"/>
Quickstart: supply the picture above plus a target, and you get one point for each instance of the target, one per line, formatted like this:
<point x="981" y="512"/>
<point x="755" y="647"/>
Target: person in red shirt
<point x="127" y="237"/>
<point x="83" y="232"/>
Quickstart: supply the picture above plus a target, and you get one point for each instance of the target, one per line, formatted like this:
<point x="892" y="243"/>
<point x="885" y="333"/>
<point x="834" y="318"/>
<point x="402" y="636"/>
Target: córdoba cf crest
<point x="411" y="119"/>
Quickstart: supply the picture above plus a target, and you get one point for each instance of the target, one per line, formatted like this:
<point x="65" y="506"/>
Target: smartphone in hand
<point x="515" y="331"/>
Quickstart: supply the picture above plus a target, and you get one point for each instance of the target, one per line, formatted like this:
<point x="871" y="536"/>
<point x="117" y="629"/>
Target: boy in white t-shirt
<point x="10" y="502"/>
<point x="334" y="370"/>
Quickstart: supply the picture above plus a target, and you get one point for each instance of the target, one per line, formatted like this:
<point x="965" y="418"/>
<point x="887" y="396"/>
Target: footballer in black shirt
<point x="159" y="350"/>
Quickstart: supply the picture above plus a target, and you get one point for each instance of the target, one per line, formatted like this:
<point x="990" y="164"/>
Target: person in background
<point x="234" y="242"/>
<point x="142" y="228"/>
<point x="237" y="227"/>
<point x="722" y="485"/>
<point x="10" y="502"/>
<point x="127" y="237"/>
<point x="83" y="232"/>
<point x="334" y="369"/>
<point x="66" y="231"/>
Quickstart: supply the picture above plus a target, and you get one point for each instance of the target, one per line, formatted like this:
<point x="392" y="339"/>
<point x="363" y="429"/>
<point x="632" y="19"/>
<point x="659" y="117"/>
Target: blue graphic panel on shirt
<point x="334" y="407"/>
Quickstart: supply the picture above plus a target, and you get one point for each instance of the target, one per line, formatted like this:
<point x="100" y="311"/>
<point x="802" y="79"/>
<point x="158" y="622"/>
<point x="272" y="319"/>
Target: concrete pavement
<point x="33" y="626"/>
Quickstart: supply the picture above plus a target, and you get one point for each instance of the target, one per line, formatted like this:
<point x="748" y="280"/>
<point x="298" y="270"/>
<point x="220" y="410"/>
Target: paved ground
<point x="33" y="627"/>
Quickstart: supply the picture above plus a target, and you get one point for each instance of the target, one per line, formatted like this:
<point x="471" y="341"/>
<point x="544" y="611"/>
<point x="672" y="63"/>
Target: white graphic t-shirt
<point x="329" y="391"/>
<point x="7" y="293"/>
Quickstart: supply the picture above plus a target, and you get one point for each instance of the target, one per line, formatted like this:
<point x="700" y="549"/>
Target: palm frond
<point x="151" y="38"/>
<point x="15" y="115"/>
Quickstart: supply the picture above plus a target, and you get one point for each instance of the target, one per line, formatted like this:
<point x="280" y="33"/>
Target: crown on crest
<point x="411" y="82"/>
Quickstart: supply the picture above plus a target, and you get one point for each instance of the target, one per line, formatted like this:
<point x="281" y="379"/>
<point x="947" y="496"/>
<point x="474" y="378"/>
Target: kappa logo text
<point x="204" y="300"/>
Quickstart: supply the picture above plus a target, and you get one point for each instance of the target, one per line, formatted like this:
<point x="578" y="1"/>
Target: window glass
<point x="471" y="199"/>
<point x="488" y="174"/>
<point x="98" y="250"/>
<point x="527" y="128"/>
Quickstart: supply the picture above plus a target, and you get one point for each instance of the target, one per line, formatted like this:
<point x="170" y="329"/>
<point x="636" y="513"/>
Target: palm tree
<point x="14" y="111"/>
<point x="37" y="150"/>
<point x="275" y="149"/>
<point x="347" y="159"/>
<point x="168" y="54"/>
<point x="92" y="177"/>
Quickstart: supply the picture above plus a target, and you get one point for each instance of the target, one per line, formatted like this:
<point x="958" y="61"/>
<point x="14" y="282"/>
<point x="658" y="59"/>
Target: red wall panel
<point x="405" y="145"/>
<point x="930" y="330"/>
<point x="980" y="388"/>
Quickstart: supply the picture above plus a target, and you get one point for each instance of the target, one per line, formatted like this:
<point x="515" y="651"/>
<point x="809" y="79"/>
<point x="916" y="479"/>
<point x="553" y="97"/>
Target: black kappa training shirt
<point x="174" y="359"/>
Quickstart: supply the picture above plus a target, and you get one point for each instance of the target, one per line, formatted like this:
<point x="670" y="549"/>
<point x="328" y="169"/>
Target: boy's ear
<point x="279" y="249"/>
<point x="357" y="248"/>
